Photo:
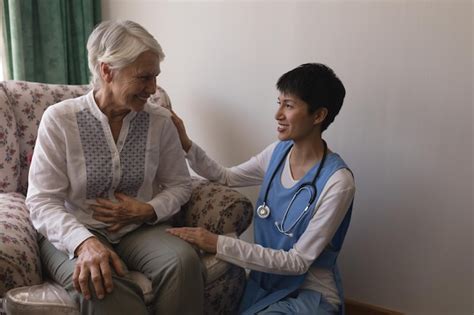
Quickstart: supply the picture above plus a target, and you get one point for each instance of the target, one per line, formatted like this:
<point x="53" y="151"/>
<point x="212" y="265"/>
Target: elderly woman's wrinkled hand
<point x="201" y="237"/>
<point x="126" y="210"/>
<point x="93" y="262"/>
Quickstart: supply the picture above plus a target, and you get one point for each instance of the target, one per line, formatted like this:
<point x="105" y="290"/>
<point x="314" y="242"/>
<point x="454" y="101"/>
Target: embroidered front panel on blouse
<point x="98" y="158"/>
<point x="132" y="155"/>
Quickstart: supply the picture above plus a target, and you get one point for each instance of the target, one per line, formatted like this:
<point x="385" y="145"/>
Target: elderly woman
<point x="107" y="173"/>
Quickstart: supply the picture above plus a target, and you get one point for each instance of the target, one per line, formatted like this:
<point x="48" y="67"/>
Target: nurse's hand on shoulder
<point x="198" y="236"/>
<point x="126" y="210"/>
<point x="183" y="136"/>
<point x="94" y="261"/>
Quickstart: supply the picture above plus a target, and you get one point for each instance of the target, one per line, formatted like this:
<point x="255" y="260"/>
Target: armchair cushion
<point x="19" y="253"/>
<point x="9" y="149"/>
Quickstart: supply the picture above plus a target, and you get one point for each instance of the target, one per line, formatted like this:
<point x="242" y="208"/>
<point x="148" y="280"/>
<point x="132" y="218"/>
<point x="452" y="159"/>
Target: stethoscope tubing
<point x="263" y="211"/>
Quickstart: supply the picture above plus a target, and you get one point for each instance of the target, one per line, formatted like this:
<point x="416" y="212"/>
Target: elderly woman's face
<point x="132" y="85"/>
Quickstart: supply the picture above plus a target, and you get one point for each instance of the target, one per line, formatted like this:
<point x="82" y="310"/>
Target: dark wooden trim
<point x="359" y="308"/>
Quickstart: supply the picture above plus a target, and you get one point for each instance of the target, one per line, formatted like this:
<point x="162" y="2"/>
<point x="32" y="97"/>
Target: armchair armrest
<point x="218" y="208"/>
<point x="221" y="210"/>
<point x="19" y="253"/>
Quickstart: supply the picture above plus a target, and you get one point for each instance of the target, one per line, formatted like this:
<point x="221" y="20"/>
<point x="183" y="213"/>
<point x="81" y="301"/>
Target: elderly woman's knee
<point x="126" y="297"/>
<point x="189" y="259"/>
<point x="181" y="264"/>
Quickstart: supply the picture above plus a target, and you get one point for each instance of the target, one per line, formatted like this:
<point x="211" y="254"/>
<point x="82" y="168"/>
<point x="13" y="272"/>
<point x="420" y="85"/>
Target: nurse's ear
<point x="319" y="115"/>
<point x="106" y="72"/>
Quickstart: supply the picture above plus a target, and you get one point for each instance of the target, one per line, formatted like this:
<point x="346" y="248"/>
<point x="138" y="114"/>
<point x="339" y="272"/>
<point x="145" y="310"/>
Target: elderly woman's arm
<point x="48" y="184"/>
<point x="172" y="175"/>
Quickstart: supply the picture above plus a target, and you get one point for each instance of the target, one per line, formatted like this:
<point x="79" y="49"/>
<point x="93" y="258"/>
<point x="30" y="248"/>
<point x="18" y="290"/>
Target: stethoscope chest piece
<point x="263" y="211"/>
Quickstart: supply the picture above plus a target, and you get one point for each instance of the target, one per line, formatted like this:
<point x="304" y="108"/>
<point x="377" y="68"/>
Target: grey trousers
<point x="172" y="265"/>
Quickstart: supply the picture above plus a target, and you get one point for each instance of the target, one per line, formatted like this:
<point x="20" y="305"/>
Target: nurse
<point x="304" y="206"/>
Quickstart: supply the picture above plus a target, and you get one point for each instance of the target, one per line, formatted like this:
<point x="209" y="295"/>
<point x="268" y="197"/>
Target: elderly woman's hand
<point x="201" y="237"/>
<point x="93" y="262"/>
<point x="126" y="210"/>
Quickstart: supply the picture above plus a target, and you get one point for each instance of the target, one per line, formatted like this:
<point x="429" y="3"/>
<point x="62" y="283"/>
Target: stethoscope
<point x="263" y="211"/>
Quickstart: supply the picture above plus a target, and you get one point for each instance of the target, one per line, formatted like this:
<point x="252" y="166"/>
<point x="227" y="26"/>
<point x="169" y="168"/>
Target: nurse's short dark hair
<point x="318" y="86"/>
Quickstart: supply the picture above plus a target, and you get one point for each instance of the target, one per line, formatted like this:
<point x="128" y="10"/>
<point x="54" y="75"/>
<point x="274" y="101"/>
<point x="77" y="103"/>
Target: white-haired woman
<point x="93" y="185"/>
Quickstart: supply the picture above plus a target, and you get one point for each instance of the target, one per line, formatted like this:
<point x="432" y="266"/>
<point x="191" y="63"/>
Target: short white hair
<point x="118" y="44"/>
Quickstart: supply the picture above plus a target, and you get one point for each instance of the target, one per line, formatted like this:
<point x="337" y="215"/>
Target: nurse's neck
<point x="306" y="153"/>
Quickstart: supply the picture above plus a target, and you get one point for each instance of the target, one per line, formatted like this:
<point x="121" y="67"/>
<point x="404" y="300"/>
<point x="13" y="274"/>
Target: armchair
<point x="23" y="287"/>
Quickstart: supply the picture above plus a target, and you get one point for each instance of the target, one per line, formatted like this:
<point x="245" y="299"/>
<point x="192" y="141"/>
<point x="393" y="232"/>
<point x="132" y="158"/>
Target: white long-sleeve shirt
<point x="76" y="160"/>
<point x="331" y="207"/>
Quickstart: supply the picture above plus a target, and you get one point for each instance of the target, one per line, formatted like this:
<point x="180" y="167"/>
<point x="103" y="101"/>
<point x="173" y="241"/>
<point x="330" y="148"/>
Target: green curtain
<point x="45" y="40"/>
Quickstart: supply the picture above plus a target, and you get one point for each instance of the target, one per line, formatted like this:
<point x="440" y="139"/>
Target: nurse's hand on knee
<point x="93" y="262"/>
<point x="201" y="237"/>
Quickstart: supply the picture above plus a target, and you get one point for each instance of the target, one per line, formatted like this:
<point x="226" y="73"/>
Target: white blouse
<point x="76" y="160"/>
<point x="331" y="207"/>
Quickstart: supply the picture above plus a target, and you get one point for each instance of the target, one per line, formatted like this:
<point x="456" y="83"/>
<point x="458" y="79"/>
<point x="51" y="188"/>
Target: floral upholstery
<point x="28" y="102"/>
<point x="213" y="206"/>
<point x="216" y="208"/>
<point x="224" y="286"/>
<point x="19" y="255"/>
<point x="222" y="296"/>
<point x="221" y="210"/>
<point x="9" y="150"/>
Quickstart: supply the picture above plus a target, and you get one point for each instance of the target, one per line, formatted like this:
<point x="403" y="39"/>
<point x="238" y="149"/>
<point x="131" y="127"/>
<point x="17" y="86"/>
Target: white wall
<point x="405" y="129"/>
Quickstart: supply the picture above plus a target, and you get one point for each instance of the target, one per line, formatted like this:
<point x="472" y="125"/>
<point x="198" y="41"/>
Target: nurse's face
<point x="293" y="118"/>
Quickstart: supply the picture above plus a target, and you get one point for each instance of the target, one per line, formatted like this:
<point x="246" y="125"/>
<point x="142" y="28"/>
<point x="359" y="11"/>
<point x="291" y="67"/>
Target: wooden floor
<point x="358" y="308"/>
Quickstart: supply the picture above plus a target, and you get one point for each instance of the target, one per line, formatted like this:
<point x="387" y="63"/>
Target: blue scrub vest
<point x="264" y="289"/>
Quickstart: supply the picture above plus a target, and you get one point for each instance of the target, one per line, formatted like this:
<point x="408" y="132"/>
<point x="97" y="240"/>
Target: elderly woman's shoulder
<point x="159" y="101"/>
<point x="157" y="110"/>
<point x="67" y="106"/>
